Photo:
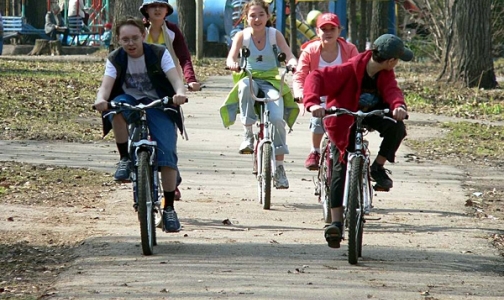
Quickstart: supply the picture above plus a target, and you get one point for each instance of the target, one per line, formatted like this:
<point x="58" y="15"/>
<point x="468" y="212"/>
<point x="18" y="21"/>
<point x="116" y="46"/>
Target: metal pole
<point x="293" y="27"/>
<point x="280" y="15"/>
<point x="199" y="29"/>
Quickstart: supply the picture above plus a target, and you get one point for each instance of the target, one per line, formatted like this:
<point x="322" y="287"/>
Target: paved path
<point x="421" y="245"/>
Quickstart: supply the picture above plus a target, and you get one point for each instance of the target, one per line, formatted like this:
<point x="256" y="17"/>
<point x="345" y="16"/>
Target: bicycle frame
<point x="145" y="144"/>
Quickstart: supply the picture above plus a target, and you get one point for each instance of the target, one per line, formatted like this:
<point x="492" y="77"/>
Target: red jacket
<point x="342" y="85"/>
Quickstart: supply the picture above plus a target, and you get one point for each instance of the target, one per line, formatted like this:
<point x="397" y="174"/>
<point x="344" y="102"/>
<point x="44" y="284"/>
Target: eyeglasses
<point x="132" y="40"/>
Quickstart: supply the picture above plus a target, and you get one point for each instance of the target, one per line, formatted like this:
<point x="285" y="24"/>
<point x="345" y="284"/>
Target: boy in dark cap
<point x="369" y="74"/>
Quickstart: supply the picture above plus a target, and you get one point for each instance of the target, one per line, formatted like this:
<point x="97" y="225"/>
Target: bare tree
<point x="363" y="26"/>
<point x="352" y="22"/>
<point x="127" y="8"/>
<point x="379" y="18"/>
<point x="186" y="11"/>
<point x="474" y="43"/>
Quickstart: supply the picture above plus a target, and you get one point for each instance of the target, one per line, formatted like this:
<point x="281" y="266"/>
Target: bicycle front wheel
<point x="354" y="217"/>
<point x="145" y="203"/>
<point x="324" y="177"/>
<point x="266" y="175"/>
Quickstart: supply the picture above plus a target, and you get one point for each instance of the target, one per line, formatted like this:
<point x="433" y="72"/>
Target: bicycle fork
<point x="264" y="137"/>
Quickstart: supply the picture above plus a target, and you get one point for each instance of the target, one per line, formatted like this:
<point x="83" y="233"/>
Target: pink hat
<point x="328" y="18"/>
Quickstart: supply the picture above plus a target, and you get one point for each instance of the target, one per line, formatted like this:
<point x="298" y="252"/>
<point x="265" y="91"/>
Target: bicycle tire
<point x="324" y="183"/>
<point x="354" y="211"/>
<point x="266" y="175"/>
<point x="145" y="203"/>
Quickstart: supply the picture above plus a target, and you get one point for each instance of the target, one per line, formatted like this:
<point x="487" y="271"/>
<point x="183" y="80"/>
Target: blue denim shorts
<point x="316" y="125"/>
<point x="161" y="127"/>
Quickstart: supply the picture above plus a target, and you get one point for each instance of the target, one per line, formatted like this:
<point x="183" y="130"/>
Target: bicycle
<point x="147" y="192"/>
<point x="358" y="192"/>
<point x="264" y="166"/>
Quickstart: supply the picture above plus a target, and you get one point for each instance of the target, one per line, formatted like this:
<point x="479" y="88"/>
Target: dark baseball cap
<point x="391" y="46"/>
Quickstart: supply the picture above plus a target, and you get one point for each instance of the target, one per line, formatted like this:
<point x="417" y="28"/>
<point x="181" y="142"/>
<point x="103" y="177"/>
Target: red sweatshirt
<point x="342" y="84"/>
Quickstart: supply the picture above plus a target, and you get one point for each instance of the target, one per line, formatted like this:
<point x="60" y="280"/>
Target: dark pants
<point x="392" y="134"/>
<point x="53" y="35"/>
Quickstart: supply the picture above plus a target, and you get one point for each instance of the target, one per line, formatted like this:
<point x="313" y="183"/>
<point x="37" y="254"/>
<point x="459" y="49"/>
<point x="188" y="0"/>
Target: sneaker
<point x="171" y="222"/>
<point x="178" y="195"/>
<point x="333" y="234"/>
<point x="379" y="175"/>
<point x="280" y="181"/>
<point x="123" y="170"/>
<point x="312" y="162"/>
<point x="247" y="146"/>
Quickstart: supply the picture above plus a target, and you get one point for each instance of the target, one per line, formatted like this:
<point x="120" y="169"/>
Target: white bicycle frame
<point x="264" y="119"/>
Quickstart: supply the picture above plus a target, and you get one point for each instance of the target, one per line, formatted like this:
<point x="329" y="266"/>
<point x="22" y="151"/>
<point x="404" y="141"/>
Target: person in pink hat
<point x="329" y="49"/>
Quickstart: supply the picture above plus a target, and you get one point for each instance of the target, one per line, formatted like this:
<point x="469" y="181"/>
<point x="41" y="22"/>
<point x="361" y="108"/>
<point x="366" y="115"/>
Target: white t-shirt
<point x="137" y="82"/>
<point x="323" y="64"/>
<point x="337" y="61"/>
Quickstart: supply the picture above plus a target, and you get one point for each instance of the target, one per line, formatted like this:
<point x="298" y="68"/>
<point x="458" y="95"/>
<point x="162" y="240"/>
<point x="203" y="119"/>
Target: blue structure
<point x="217" y="21"/>
<point x="338" y="7"/>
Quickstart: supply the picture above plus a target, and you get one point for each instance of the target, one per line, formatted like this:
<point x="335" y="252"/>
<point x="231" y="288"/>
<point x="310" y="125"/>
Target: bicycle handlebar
<point x="244" y="53"/>
<point x="165" y="101"/>
<point x="335" y="111"/>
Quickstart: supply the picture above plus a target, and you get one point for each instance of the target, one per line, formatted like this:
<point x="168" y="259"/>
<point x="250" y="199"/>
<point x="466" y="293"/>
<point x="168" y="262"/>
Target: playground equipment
<point x="223" y="18"/>
<point x="99" y="13"/>
<point x="217" y="21"/>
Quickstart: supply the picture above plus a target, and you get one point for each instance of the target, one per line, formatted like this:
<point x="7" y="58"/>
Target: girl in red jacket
<point x="368" y="74"/>
<point x="328" y="50"/>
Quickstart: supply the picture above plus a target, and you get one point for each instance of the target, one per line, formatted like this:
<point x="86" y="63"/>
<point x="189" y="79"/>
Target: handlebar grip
<point x="227" y="68"/>
<point x="169" y="100"/>
<point x="109" y="106"/>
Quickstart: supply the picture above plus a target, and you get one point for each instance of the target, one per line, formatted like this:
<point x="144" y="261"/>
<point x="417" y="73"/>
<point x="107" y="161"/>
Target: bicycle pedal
<point x="378" y="188"/>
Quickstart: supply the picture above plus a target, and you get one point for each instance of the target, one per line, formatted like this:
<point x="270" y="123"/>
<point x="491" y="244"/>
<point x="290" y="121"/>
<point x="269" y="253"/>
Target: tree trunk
<point x="41" y="47"/>
<point x="363" y="26"/>
<point x="474" y="52"/>
<point x="125" y="8"/>
<point x="55" y="47"/>
<point x="35" y="11"/>
<point x="186" y="11"/>
<point x="379" y="18"/>
<point x="352" y="22"/>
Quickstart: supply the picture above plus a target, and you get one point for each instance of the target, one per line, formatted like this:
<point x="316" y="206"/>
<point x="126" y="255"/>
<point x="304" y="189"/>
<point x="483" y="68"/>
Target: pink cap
<point x="328" y="18"/>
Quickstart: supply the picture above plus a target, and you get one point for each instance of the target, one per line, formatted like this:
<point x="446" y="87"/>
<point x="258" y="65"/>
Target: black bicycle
<point x="358" y="193"/>
<point x="147" y="192"/>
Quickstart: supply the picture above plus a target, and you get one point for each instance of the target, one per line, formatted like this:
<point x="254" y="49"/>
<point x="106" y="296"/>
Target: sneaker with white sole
<point x="280" y="180"/>
<point x="247" y="146"/>
<point x="171" y="222"/>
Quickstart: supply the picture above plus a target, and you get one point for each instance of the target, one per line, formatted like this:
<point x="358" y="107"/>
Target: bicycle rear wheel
<point x="266" y="175"/>
<point x="354" y="215"/>
<point x="324" y="177"/>
<point x="145" y="203"/>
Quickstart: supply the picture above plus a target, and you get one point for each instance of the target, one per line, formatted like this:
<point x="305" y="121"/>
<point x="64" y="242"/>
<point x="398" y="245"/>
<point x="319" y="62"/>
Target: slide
<point x="303" y="28"/>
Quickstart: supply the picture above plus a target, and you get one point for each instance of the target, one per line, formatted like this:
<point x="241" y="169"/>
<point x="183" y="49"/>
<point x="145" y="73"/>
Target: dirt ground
<point x="420" y="242"/>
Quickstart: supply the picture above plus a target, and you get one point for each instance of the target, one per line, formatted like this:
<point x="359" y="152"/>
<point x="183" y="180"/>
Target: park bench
<point x="14" y="27"/>
<point x="76" y="31"/>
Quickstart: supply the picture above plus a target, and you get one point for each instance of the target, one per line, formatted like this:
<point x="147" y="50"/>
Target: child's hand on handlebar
<point x="399" y="113"/>
<point x="179" y="99"/>
<point x="100" y="105"/>
<point x="233" y="66"/>
<point x="317" y="111"/>
<point x="194" y="86"/>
